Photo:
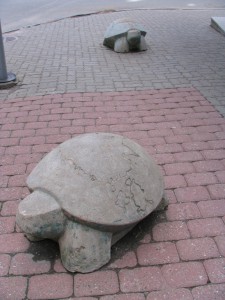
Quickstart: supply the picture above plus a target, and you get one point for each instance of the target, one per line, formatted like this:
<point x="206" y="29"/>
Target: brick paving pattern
<point x="68" y="56"/>
<point x="181" y="255"/>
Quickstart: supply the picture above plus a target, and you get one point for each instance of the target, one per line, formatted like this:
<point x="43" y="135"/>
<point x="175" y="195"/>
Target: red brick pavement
<point x="182" y="255"/>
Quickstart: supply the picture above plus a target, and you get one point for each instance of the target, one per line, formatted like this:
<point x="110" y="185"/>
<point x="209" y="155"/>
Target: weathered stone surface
<point x="88" y="193"/>
<point x="83" y="248"/>
<point x="40" y="216"/>
<point x="104" y="180"/>
<point x="124" y="35"/>
<point x="218" y="23"/>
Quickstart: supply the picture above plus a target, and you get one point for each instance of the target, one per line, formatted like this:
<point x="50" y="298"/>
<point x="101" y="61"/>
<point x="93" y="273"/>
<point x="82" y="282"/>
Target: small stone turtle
<point x="87" y="194"/>
<point x="124" y="35"/>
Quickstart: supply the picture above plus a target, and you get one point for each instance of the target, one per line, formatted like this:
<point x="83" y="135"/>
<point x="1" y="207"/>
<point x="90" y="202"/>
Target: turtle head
<point x="134" y="38"/>
<point x="40" y="217"/>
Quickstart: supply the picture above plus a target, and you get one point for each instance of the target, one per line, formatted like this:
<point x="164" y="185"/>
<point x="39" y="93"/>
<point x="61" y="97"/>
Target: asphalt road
<point x="15" y="14"/>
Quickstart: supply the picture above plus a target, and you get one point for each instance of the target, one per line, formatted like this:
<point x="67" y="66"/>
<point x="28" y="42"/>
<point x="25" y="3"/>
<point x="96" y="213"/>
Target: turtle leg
<point x="40" y="217"/>
<point x="84" y="249"/>
<point x="163" y="203"/>
<point x="143" y="45"/>
<point x="121" y="45"/>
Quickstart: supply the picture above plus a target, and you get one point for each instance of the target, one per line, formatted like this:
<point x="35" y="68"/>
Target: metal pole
<point x="3" y="70"/>
<point x="6" y="79"/>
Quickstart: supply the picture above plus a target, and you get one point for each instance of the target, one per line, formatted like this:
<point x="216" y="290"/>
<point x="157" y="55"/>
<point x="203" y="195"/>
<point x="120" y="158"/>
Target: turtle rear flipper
<point x="163" y="204"/>
<point x="40" y="216"/>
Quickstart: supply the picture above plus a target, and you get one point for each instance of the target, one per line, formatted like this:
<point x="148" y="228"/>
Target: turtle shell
<point x="118" y="28"/>
<point x="101" y="179"/>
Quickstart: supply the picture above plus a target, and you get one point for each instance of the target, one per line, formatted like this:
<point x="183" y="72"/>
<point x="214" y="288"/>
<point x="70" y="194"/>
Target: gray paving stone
<point x="68" y="55"/>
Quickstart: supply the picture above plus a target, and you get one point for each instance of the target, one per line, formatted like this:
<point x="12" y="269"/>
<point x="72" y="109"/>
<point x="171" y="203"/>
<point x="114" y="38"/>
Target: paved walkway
<point x="165" y="100"/>
<point x="68" y="56"/>
<point x="180" y="253"/>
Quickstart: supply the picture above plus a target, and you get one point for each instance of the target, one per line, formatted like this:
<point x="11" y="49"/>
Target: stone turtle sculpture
<point x="124" y="35"/>
<point x="87" y="194"/>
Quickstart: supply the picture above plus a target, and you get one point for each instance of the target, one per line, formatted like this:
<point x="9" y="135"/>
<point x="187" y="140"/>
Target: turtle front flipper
<point x="40" y="217"/>
<point x="121" y="45"/>
<point x="84" y="249"/>
<point x="143" y="45"/>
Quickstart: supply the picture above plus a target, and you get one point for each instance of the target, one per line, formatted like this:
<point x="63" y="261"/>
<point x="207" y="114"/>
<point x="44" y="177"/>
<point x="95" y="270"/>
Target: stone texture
<point x="83" y="248"/>
<point x="170" y="231"/>
<point x="158" y="253"/>
<point x="97" y="283"/>
<point x="24" y="264"/>
<point x="40" y="216"/>
<point x="124" y="35"/>
<point x="213" y="208"/>
<point x="104" y="183"/>
<point x="140" y="279"/>
<point x="7" y="224"/>
<point x="100" y="106"/>
<point x="172" y="294"/>
<point x="14" y="242"/>
<point x="206" y="227"/>
<point x="216" y="270"/>
<point x="51" y="286"/>
<point x="218" y="23"/>
<point x="128" y="260"/>
<point x="4" y="264"/>
<point x="209" y="292"/>
<point x="185" y="274"/>
<point x="116" y="186"/>
<point x="188" y="194"/>
<point x="220" y="241"/>
<point x="13" y="288"/>
<point x="133" y="296"/>
<point x="182" y="211"/>
<point x="195" y="249"/>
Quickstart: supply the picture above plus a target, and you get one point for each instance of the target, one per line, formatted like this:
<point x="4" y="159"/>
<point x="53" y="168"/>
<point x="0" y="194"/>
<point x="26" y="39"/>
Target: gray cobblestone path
<point x="68" y="56"/>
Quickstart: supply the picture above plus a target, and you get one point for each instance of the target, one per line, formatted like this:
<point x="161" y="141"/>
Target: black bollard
<point x="6" y="79"/>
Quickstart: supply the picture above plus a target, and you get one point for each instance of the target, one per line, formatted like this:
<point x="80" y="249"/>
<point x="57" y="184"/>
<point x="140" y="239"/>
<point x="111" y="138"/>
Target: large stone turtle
<point x="88" y="193"/>
<point x="124" y="35"/>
